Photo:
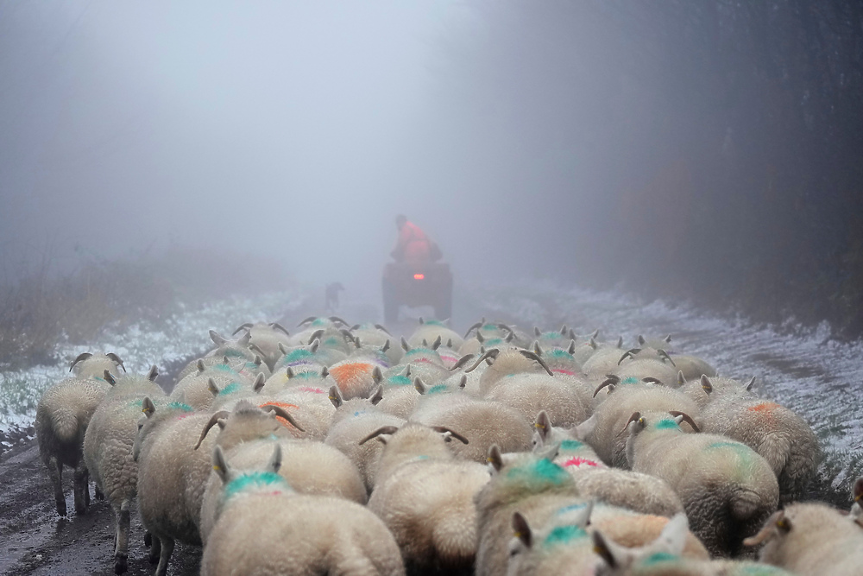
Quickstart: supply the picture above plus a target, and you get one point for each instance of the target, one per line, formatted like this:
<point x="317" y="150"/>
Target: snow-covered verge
<point x="140" y="347"/>
<point x="818" y="377"/>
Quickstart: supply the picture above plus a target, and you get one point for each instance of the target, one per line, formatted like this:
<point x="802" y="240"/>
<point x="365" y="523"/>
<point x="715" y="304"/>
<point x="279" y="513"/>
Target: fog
<point x="672" y="146"/>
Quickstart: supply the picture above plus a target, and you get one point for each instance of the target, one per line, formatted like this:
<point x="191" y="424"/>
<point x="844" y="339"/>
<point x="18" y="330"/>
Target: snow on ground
<point x="804" y="369"/>
<point x="140" y="347"/>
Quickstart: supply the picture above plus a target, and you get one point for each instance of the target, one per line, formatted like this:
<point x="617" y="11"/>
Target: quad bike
<point x="406" y="284"/>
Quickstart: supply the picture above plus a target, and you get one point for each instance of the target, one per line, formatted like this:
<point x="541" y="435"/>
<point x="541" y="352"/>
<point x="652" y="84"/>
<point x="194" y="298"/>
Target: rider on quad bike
<point x="416" y="277"/>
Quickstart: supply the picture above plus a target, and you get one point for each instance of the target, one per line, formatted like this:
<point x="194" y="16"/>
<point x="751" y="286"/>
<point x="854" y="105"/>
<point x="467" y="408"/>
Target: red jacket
<point x="413" y="245"/>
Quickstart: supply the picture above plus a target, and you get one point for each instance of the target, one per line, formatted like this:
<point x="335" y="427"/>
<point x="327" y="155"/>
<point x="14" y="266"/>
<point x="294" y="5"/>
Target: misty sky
<point x="298" y="130"/>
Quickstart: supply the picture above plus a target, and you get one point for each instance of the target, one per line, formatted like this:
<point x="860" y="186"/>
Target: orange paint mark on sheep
<point x="764" y="407"/>
<point x="285" y="406"/>
<point x="348" y="376"/>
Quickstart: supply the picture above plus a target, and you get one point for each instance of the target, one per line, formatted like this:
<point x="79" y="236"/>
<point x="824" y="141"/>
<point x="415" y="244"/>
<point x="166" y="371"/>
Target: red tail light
<point x="419" y="276"/>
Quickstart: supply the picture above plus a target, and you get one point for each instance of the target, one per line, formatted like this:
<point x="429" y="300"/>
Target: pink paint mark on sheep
<point x="578" y="461"/>
<point x="313" y="390"/>
<point x="566" y="372"/>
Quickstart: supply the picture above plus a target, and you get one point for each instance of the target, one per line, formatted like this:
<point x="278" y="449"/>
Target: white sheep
<point x="811" y="539"/>
<point x="89" y="365"/>
<point x="531" y="393"/>
<point x="727" y="489"/>
<point x="264" y="528"/>
<point x="171" y="476"/>
<point x="605" y="430"/>
<point x="62" y="416"/>
<point x="108" y="450"/>
<point x="431" y="330"/>
<point x="425" y="497"/>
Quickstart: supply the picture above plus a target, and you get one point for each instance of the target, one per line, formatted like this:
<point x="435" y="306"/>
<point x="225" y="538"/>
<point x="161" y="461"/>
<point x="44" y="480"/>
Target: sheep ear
<point x="325" y="372"/>
<point x="244" y="340"/>
<point x="357" y="342"/>
<point x="425" y="343"/>
<point x="153" y="373"/>
<point x="258" y="360"/>
<point x="537" y="331"/>
<point x="226" y="361"/>
<point x="463" y="382"/>
<point x="377" y="396"/>
<point x="641" y="340"/>
<point x="592" y="343"/>
<point x="449" y="343"/>
<point x="436" y="344"/>
<point x="377" y="376"/>
<point x="510" y="337"/>
<point x="220" y="465"/>
<point x="620" y="341"/>
<point x="386" y="346"/>
<point x="563" y="330"/>
<point x="673" y="537"/>
<point x="405" y="346"/>
<point x="275" y="462"/>
<point x="289" y="372"/>
<point x="571" y="348"/>
<point x="200" y="365"/>
<point x="211" y="386"/>
<point x="705" y="384"/>
<point x="681" y="379"/>
<point x="314" y="347"/>
<point x="148" y="408"/>
<point x="537" y="348"/>
<point x="480" y="337"/>
<point x="543" y="425"/>
<point x="259" y="383"/>
<point x="587" y="427"/>
<point x="109" y="378"/>
<point x="549" y="452"/>
<point x="418" y="384"/>
<point x="750" y="384"/>
<point x="217" y="339"/>
<point x="612" y="554"/>
<point x="422" y="321"/>
<point x="495" y="458"/>
<point x="316" y="335"/>
<point x="283" y="349"/>
<point x="521" y="529"/>
<point x="407" y="371"/>
<point x="336" y="396"/>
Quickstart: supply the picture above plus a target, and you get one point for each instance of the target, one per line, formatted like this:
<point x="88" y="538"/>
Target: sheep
<point x="811" y="538"/>
<point x="377" y="335"/>
<point x="530" y="484"/>
<point x="425" y="363"/>
<point x="530" y="393"/>
<point x="425" y="497"/>
<point x="62" y="416"/>
<point x="356" y="378"/>
<point x="171" y="476"/>
<point x="315" y="469"/>
<point x="506" y="362"/>
<point x="646" y="370"/>
<point x="108" y="450"/>
<point x="354" y="420"/>
<point x="692" y="366"/>
<point x="605" y="429"/>
<point x="566" y="368"/>
<point x="726" y="488"/>
<point x="312" y="325"/>
<point x="265" y="338"/>
<point x="563" y="548"/>
<point x="482" y="422"/>
<point x="264" y="528"/>
<point x="665" y="556"/>
<point x="314" y="375"/>
<point x="311" y="355"/>
<point x="89" y="365"/>
<point x="401" y="395"/>
<point x="639" y="492"/>
<point x="431" y="330"/>
<point x="197" y="391"/>
<point x="778" y="434"/>
<point x="604" y="359"/>
<point x="704" y="389"/>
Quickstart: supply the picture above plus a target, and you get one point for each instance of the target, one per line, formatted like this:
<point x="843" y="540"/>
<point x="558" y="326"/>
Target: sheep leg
<point x="121" y="551"/>
<point x="155" y="549"/>
<point x="55" y="470"/>
<point x="81" y="491"/>
<point x="167" y="550"/>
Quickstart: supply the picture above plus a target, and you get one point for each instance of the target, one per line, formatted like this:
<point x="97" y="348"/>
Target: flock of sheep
<point x="337" y="450"/>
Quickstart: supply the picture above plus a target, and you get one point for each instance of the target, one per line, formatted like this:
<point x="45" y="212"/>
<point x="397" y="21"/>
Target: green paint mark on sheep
<point x="489" y="327"/>
<point x="658" y="558"/>
<point x="254" y="480"/>
<point x="179" y="406"/>
<point x="222" y="368"/>
<point x="545" y="470"/>
<point x="571" y="445"/>
<point x="437" y="389"/>
<point x="231" y="352"/>
<point x="231" y="388"/>
<point x="762" y="570"/>
<point x="298" y="354"/>
<point x="564" y="535"/>
<point x="570" y="508"/>
<point x="493" y="342"/>
<point x="433" y="323"/>
<point x="331" y="341"/>
<point x="667" y="424"/>
<point x="320" y="322"/>
<point x="630" y="380"/>
<point x="399" y="381"/>
<point x="559" y="353"/>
